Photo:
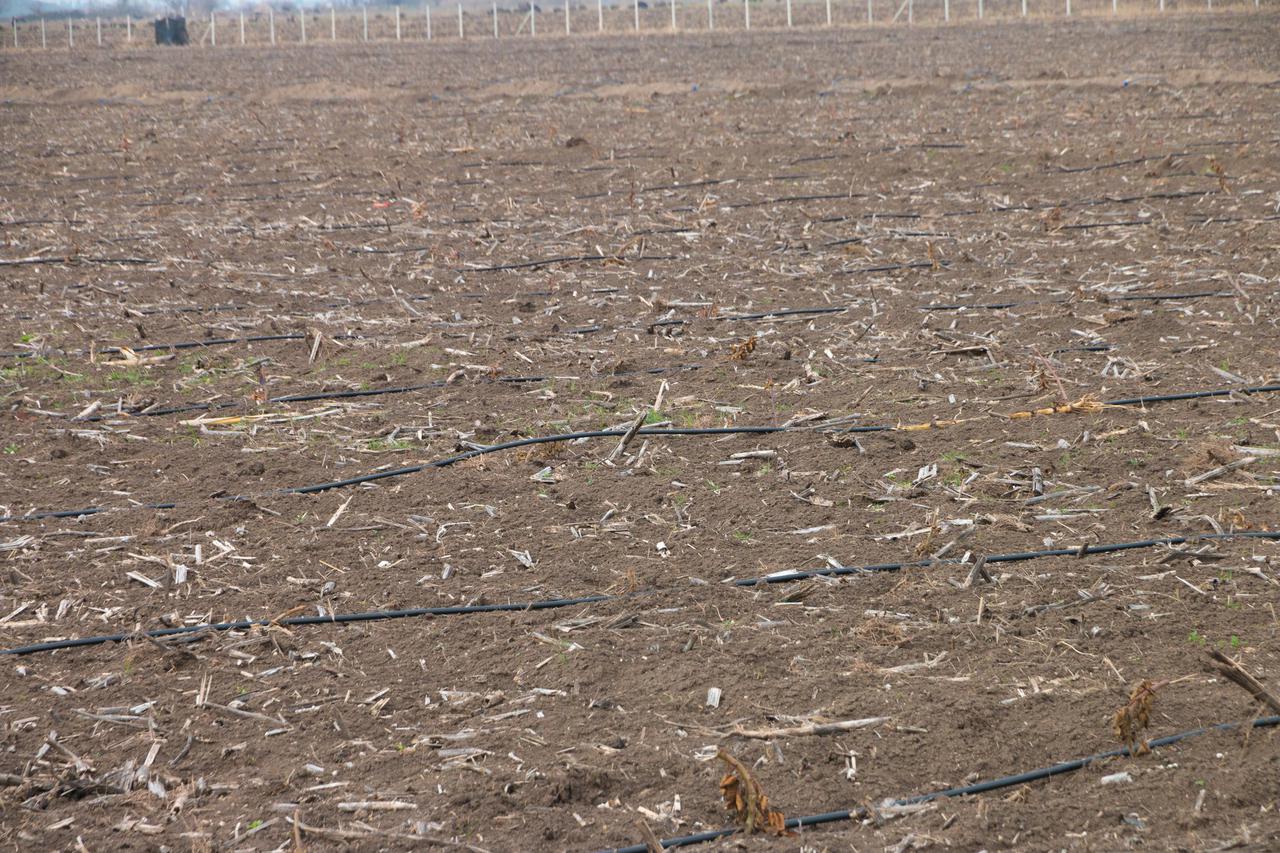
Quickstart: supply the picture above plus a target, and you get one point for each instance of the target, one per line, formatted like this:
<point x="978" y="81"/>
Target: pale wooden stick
<point x="809" y="729"/>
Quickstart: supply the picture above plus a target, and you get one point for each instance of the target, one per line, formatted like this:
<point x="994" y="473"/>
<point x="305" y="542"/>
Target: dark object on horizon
<point x="172" y="31"/>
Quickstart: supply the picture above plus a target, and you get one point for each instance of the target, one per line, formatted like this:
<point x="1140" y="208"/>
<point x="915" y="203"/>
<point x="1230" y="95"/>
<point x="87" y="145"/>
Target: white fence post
<point x="461" y="34"/>
<point x="1068" y="8"/>
<point x="98" y="21"/>
<point x="495" y="18"/>
<point x="870" y="19"/>
<point x="271" y="24"/>
<point x="364" y="12"/>
<point x="946" y="10"/>
<point x="533" y="19"/>
<point x="44" y="43"/>
<point x="213" y="30"/>
<point x="828" y="13"/>
<point x="333" y="25"/>
<point x="1115" y="7"/>
<point x="635" y="5"/>
<point x="600" y="15"/>
<point x="302" y="22"/>
<point x="428" y="23"/>
<point x="746" y="12"/>
<point x="911" y="12"/>
<point x="788" y="13"/>
<point x="1024" y="6"/>
<point x="673" y="15"/>
<point x="242" y="29"/>
<point x="13" y="22"/>
<point x="128" y="29"/>
<point x="397" y="23"/>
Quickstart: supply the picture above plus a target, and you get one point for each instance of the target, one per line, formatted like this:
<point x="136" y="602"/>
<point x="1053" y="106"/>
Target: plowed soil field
<point x="953" y="354"/>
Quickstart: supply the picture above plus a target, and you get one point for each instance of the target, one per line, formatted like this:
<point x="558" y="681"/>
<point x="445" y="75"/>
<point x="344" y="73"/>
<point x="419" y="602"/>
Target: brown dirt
<point x="359" y="193"/>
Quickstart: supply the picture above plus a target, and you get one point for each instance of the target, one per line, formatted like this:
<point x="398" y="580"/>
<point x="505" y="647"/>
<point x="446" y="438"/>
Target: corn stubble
<point x="1134" y="716"/>
<point x="748" y="802"/>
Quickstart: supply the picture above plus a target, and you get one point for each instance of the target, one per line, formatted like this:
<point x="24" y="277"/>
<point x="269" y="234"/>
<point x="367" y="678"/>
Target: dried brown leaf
<point x="747" y="800"/>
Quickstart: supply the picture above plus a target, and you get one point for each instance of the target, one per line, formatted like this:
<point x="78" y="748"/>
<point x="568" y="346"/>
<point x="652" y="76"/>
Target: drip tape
<point x="656" y="324"/>
<point x="367" y="392"/>
<point x="183" y="345"/>
<point x="647" y="431"/>
<point x="1128" y="297"/>
<point x="557" y="603"/>
<point x="863" y="813"/>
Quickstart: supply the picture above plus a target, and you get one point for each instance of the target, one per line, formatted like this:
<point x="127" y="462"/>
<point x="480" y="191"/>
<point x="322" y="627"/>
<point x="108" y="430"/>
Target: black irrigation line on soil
<point x="72" y="260"/>
<point x="706" y="182"/>
<point x="482" y="450"/>
<point x="368" y="392"/>
<point x="438" y="463"/>
<point x="865" y="813"/>
<point x="335" y="619"/>
<point x="1070" y="170"/>
<point x="557" y="603"/>
<point x="1128" y="297"/>
<point x="1082" y="550"/>
<point x="762" y="315"/>
<point x="1066" y="205"/>
<point x="831" y="309"/>
<point x="182" y="345"/>
<point x="565" y="259"/>
<point x="327" y="306"/>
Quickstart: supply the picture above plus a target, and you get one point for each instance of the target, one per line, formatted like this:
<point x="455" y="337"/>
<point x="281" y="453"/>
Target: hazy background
<point x="146" y="8"/>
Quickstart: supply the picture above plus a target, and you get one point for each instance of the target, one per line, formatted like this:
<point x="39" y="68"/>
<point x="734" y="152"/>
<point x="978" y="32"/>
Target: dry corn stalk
<point x="130" y="358"/>
<point x="1129" y="722"/>
<point x="747" y="800"/>
<point x="1086" y="404"/>
<point x="935" y="257"/>
<point x="933" y="424"/>
<point x="742" y="349"/>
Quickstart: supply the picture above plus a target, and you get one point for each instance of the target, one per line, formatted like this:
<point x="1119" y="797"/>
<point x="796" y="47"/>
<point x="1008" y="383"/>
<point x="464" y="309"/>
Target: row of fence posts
<point x="907" y="6"/>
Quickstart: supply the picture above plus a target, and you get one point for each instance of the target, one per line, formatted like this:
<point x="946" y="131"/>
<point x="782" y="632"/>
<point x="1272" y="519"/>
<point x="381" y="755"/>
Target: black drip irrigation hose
<point x="1015" y="557"/>
<point x="565" y="259"/>
<point x="832" y="309"/>
<point x="1128" y="297"/>
<point x="863" y="812"/>
<point x="73" y="261"/>
<point x="526" y="442"/>
<point x="438" y="463"/>
<point x="153" y="312"/>
<point x="368" y="392"/>
<point x="183" y="345"/>
<point x="556" y="603"/>
<point x="335" y="619"/>
<point x="763" y="315"/>
<point x="1068" y="170"/>
<point x="743" y="205"/>
<point x="913" y="265"/>
<point x="604" y="433"/>
<point x="1192" y="395"/>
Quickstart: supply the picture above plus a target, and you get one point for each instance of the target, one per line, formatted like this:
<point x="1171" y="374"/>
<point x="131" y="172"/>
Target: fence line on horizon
<point x="643" y="17"/>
